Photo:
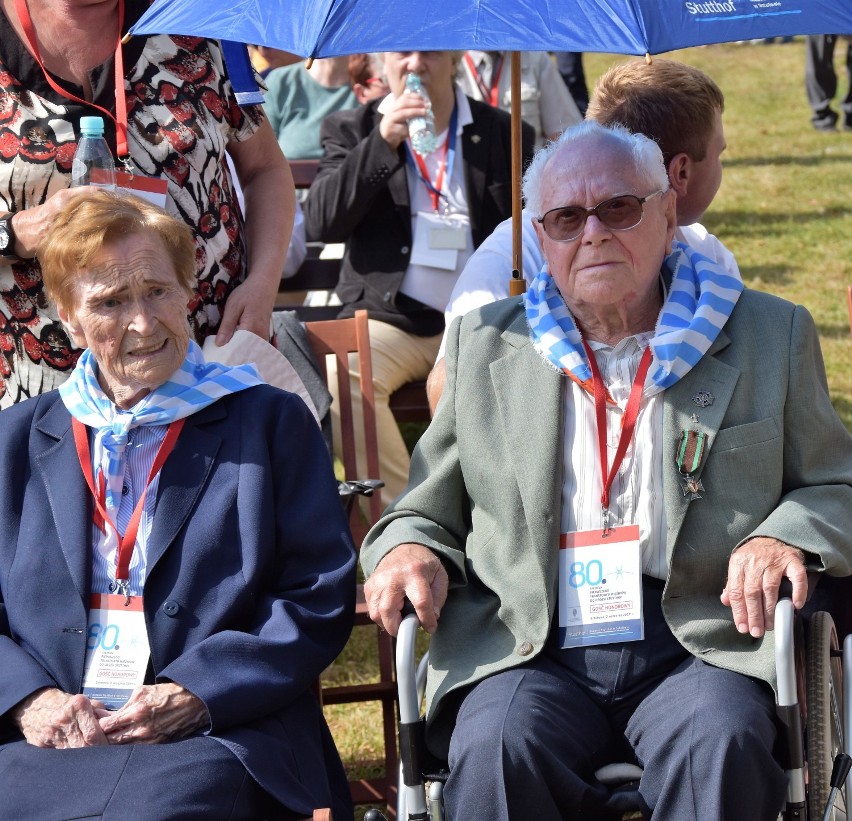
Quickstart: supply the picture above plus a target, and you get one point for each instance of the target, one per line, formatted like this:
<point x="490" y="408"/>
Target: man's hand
<point x="51" y="718"/>
<point x="394" y="123"/>
<point x="155" y="714"/>
<point x="412" y="571"/>
<point x="755" y="571"/>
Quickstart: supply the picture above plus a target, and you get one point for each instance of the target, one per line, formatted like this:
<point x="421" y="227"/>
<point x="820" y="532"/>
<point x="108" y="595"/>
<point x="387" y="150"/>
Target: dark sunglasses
<point x="619" y="213"/>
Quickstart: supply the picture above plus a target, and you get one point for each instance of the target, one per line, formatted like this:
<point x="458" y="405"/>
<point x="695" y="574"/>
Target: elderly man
<point x="621" y="471"/>
<point x="676" y="105"/>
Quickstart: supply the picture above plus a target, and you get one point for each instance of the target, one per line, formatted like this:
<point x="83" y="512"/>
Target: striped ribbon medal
<point x="690" y="450"/>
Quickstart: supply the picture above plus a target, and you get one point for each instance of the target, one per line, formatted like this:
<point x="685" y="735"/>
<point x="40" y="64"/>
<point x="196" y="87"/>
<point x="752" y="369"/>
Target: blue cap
<point x="92" y="126"/>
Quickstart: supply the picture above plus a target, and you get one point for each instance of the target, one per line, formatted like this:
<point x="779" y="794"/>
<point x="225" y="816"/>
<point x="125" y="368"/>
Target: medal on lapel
<point x="688" y="456"/>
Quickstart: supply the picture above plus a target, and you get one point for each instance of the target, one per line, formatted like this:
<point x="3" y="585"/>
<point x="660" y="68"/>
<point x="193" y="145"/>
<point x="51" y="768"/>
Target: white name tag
<point x="153" y="189"/>
<point x="449" y="235"/>
<point x="444" y="255"/>
<point x="117" y="649"/>
<point x="600" y="587"/>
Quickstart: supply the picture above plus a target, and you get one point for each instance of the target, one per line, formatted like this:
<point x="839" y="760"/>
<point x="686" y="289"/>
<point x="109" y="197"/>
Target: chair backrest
<point x="340" y="338"/>
<point x="303" y="172"/>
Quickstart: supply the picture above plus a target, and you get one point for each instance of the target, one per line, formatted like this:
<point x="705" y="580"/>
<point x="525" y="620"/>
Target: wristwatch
<point x="7" y="237"/>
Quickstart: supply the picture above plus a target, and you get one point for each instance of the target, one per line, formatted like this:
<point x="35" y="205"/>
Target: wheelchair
<point x="814" y="709"/>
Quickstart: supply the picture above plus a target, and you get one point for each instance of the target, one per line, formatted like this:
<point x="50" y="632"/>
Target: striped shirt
<point x="144" y="442"/>
<point x="637" y="492"/>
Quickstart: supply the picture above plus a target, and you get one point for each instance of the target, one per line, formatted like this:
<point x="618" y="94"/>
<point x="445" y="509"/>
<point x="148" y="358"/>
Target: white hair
<point x="644" y="152"/>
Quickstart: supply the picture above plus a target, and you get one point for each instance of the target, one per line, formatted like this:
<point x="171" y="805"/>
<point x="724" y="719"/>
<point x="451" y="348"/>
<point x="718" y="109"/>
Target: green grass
<point x="783" y="209"/>
<point x="784" y="206"/>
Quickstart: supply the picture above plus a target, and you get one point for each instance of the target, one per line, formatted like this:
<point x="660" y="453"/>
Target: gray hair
<point x="644" y="152"/>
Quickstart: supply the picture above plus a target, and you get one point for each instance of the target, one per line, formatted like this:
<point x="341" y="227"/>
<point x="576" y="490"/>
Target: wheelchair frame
<point x="815" y="780"/>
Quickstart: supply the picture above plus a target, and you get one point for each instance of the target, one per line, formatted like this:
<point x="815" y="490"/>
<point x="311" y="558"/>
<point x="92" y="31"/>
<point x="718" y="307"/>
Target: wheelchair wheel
<point x="825" y="714"/>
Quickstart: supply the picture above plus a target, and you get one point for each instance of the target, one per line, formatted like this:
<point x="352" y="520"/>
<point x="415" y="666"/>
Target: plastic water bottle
<point x="421" y="130"/>
<point x="93" y="163"/>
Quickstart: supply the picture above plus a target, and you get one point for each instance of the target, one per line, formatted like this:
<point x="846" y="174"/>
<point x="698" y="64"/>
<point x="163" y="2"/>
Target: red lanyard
<point x="435" y="188"/>
<point x="628" y="421"/>
<point x="127" y="541"/>
<point x="120" y="118"/>
<point x="490" y="95"/>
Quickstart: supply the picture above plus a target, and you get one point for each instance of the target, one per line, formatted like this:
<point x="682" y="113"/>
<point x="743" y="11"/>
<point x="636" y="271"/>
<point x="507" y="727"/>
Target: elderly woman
<point x="623" y="466"/>
<point x="175" y="566"/>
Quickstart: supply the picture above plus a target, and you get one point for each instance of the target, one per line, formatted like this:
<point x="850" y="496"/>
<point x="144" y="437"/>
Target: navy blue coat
<point x="251" y="576"/>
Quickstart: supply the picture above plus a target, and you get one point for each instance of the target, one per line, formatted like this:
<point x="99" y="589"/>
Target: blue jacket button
<point x="170" y="608"/>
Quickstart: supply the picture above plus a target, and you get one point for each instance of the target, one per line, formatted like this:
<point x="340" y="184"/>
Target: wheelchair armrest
<point x="406" y="675"/>
<point x="785" y="655"/>
<point x="412" y="745"/>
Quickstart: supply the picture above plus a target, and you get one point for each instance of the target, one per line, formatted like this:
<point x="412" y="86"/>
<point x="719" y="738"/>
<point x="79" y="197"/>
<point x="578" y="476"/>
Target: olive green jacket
<point x="486" y="486"/>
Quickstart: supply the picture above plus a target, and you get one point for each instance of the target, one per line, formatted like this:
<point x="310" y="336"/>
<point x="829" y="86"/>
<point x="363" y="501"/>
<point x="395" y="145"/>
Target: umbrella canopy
<point x="329" y="28"/>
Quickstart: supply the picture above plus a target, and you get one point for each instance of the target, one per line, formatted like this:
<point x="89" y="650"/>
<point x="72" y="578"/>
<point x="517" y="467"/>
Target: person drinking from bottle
<point x="409" y="220"/>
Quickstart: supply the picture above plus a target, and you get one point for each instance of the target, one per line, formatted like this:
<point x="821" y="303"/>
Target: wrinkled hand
<point x="52" y="718"/>
<point x="248" y="306"/>
<point x="412" y="571"/>
<point x="755" y="571"/>
<point x="394" y="124"/>
<point x="155" y="714"/>
<point x="32" y="224"/>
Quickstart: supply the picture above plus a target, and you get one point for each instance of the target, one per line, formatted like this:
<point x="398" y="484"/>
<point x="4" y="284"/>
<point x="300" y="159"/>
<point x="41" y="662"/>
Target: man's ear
<point x="680" y="170"/>
<point x="72" y="326"/>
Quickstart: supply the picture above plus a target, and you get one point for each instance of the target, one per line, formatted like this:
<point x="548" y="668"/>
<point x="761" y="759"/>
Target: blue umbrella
<point x="328" y="28"/>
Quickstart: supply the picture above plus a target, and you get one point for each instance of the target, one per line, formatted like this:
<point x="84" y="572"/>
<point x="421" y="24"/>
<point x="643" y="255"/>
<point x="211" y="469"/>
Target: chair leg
<point x="849" y="301"/>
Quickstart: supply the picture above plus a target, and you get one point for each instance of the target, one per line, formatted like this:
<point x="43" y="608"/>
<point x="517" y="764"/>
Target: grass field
<point x="784" y="209"/>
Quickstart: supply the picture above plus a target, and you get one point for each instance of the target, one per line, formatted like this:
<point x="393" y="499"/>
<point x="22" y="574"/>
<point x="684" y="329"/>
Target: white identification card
<point x="446" y="253"/>
<point x="449" y="235"/>
<point x="117" y="649"/>
<point x="600" y="587"/>
<point x="152" y="189"/>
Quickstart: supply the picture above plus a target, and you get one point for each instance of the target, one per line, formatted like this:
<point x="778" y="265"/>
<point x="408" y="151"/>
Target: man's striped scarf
<point x="700" y="299"/>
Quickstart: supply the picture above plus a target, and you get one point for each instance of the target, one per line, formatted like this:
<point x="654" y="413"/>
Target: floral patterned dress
<point x="181" y="115"/>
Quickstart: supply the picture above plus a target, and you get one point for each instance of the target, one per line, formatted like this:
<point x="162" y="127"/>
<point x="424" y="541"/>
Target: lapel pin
<point x="703" y="399"/>
<point x="475" y="138"/>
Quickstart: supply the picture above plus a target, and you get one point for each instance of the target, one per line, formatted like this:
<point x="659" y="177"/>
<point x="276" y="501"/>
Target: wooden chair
<point x="408" y="404"/>
<point x="339" y="338"/>
<point x="849" y="303"/>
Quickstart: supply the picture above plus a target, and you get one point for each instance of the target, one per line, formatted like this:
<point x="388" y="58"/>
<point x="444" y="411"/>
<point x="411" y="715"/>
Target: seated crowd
<point x="620" y="425"/>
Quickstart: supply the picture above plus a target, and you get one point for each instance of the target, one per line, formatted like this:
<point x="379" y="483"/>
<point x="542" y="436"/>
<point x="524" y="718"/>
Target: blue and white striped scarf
<point x="700" y="299"/>
<point x="195" y="385"/>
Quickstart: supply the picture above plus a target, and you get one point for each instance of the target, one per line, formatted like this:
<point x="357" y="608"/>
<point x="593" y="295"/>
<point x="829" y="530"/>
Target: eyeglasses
<point x="619" y="213"/>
